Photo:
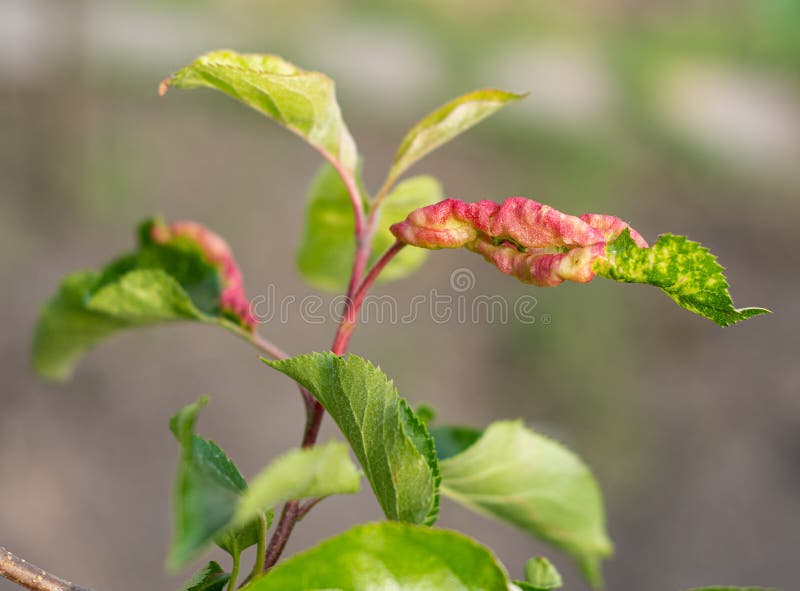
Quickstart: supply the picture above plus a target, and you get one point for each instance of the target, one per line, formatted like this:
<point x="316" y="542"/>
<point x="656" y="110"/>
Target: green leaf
<point x="210" y="578"/>
<point x="144" y="297"/>
<point x="156" y="283"/>
<point x="536" y="484"/>
<point x="426" y="414"/>
<point x="446" y="122"/>
<point x="387" y="555"/>
<point x="325" y="256"/>
<point x="523" y="586"/>
<point x="208" y="487"/>
<point x="451" y="441"/>
<point x="392" y="445"/>
<point x="67" y="328"/>
<point x="542" y="575"/>
<point x="213" y="501"/>
<point x="302" y="101"/>
<point x="684" y="270"/>
<point x="410" y="194"/>
<point x="300" y="473"/>
<point x="183" y="260"/>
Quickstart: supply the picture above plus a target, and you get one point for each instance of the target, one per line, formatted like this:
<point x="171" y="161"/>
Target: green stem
<point x="261" y="549"/>
<point x="237" y="560"/>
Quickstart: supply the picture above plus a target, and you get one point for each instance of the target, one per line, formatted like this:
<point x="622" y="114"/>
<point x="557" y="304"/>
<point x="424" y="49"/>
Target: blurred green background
<point x="681" y="116"/>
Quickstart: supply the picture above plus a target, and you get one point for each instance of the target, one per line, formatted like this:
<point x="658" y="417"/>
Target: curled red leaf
<point x="218" y="253"/>
<point x="533" y="242"/>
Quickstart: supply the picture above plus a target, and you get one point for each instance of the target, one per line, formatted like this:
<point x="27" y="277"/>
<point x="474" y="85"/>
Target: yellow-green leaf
<point x="446" y="122"/>
<point x="317" y="471"/>
<point x="535" y="483"/>
<point x="325" y="255"/>
<point x="387" y="555"/>
<point x="300" y="100"/>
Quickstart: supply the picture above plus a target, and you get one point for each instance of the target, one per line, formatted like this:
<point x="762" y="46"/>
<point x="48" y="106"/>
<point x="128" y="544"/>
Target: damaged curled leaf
<point x="545" y="247"/>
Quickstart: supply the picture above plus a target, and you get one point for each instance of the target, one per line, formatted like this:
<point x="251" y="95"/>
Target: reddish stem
<point x="272" y="350"/>
<point x="307" y="507"/>
<point x="268" y="347"/>
<point x="348" y="323"/>
<point x="292" y="511"/>
<point x="282" y="532"/>
<point x="352" y="190"/>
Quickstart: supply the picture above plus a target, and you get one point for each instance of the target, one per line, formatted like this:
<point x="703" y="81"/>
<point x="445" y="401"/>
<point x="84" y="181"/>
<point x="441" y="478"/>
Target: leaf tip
<point x="176" y="559"/>
<point x="541" y="574"/>
<point x="48" y="373"/>
<point x="504" y="96"/>
<point x="163" y="86"/>
<point x="754" y="311"/>
<point x="273" y="363"/>
<point x="740" y="315"/>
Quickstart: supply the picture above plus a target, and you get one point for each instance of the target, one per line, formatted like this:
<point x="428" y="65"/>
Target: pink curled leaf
<point x="218" y="253"/>
<point x="611" y="227"/>
<point x="521" y="237"/>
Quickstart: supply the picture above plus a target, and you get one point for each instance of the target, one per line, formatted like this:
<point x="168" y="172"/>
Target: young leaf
<point x="207" y="490"/>
<point x="179" y="272"/>
<point x="300" y="473"/>
<point x="407" y="196"/>
<point x="326" y="252"/>
<point x="541" y="574"/>
<point x="392" y="445"/>
<point x="302" y="101"/>
<point x="426" y="414"/>
<point x="684" y="270"/>
<point x="210" y="578"/>
<point x="213" y="501"/>
<point x="325" y="255"/>
<point x="446" y="122"/>
<point x="536" y="484"/>
<point x="388" y="555"/>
